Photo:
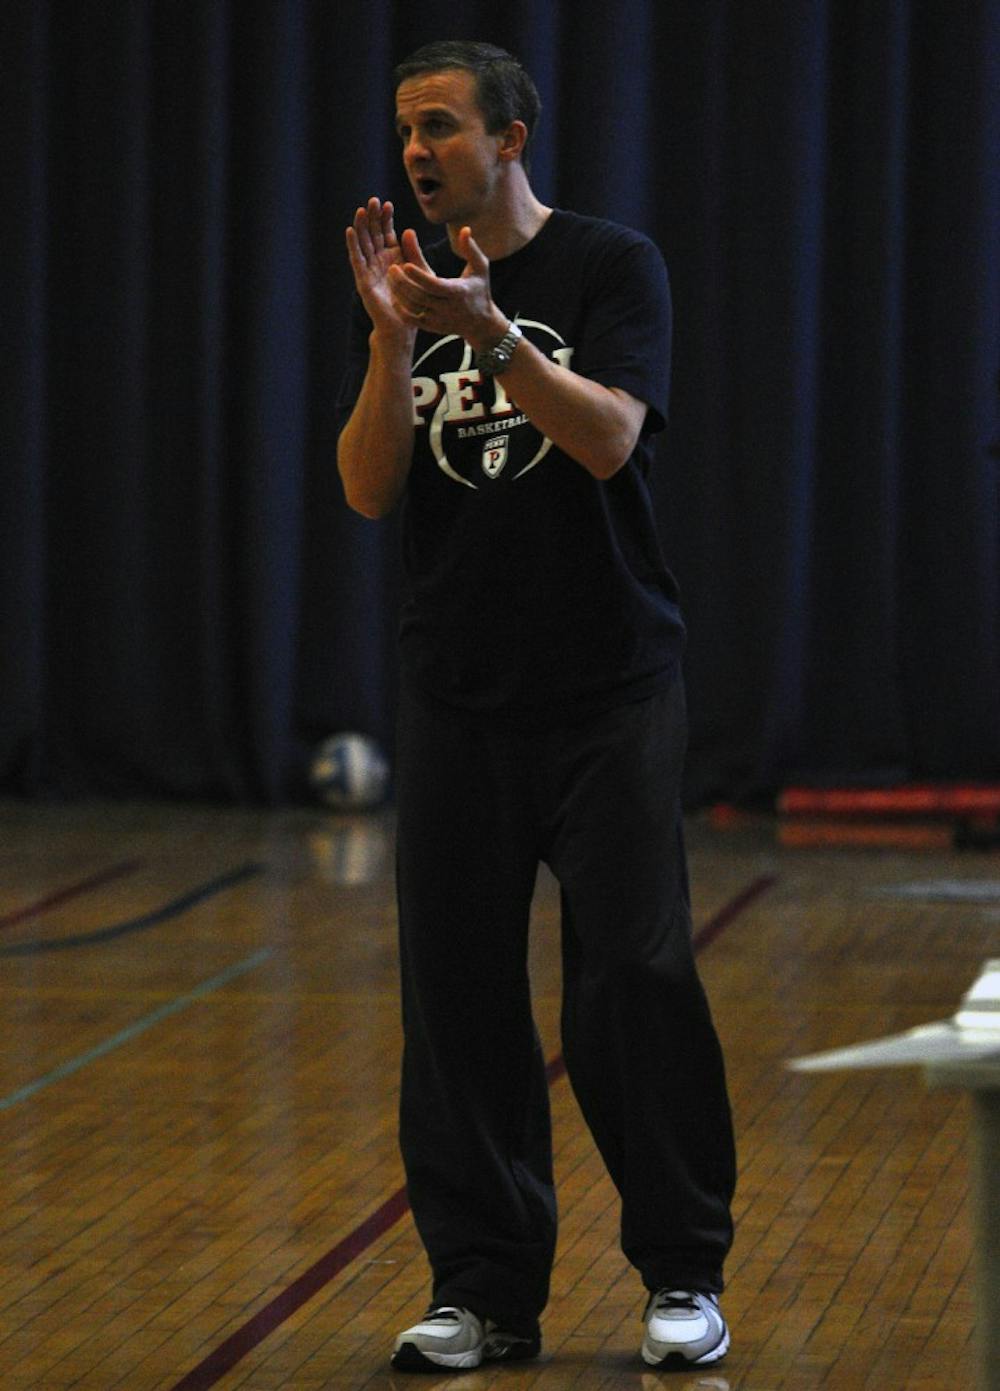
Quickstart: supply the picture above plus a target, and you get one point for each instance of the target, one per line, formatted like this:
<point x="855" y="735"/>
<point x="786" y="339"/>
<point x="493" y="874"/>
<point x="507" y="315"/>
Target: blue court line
<point x="134" y="1030"/>
<point x="160" y="915"/>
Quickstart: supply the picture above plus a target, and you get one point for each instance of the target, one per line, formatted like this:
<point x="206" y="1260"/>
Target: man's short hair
<point x="504" y="91"/>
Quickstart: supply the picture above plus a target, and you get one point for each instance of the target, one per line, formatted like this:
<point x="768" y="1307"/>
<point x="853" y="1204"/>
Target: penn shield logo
<point x="495" y="456"/>
<point x="475" y="433"/>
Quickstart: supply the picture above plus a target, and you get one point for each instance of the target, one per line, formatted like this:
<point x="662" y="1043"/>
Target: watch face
<point x="500" y="355"/>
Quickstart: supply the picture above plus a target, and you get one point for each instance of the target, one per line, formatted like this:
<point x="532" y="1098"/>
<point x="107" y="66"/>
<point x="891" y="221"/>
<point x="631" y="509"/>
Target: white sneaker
<point x="684" y="1326"/>
<point x="456" y="1338"/>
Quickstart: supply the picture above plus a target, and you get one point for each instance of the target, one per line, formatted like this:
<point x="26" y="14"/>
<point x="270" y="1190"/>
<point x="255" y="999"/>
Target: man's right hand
<point x="375" y="448"/>
<point x="373" y="247"/>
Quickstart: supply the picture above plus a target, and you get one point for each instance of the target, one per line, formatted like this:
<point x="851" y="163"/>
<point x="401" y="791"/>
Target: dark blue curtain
<point x="187" y="605"/>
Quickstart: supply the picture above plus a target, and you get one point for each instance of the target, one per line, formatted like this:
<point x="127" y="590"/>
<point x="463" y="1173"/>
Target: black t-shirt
<point x="533" y="586"/>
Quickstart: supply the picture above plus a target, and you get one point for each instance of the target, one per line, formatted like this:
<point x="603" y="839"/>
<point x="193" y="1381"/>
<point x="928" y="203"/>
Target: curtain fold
<point x="186" y="604"/>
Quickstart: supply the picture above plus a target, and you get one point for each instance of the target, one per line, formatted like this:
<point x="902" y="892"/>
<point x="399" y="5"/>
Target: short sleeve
<point x="627" y="332"/>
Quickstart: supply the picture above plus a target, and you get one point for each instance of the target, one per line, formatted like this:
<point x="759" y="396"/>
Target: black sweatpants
<point x="481" y="801"/>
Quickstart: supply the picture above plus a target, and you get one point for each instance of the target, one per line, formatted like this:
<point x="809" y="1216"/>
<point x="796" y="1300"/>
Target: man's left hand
<point x="462" y="305"/>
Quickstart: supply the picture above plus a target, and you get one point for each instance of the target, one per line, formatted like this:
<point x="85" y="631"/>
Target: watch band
<point x="493" y="361"/>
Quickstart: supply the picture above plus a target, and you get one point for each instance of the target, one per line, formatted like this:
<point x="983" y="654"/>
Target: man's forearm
<point x="596" y="425"/>
<point x="376" y="444"/>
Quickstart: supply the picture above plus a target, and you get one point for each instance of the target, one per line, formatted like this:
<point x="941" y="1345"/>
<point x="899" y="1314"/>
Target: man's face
<point x="452" y="163"/>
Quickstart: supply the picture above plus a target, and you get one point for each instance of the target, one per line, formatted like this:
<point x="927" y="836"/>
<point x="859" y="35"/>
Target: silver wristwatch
<point x="492" y="362"/>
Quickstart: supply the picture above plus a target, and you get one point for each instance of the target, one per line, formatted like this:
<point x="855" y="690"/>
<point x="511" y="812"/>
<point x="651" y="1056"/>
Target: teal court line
<point x="170" y="910"/>
<point x="133" y="1031"/>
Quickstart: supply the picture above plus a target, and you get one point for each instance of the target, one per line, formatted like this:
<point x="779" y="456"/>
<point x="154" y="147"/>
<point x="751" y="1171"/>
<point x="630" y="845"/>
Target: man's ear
<point x="512" y="140"/>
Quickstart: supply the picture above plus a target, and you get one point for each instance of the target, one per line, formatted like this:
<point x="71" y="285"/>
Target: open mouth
<point x="427" y="187"/>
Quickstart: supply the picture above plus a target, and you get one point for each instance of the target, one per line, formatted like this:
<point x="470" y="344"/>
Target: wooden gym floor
<point x="198" y="1086"/>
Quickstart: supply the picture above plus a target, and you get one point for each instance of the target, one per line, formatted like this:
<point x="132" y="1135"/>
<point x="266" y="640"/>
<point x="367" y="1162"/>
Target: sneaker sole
<point x="680" y="1360"/>
<point x="409" y="1358"/>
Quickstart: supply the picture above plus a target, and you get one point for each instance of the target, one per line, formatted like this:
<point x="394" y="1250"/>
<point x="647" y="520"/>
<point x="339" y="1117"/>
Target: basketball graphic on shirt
<point x="475" y="432"/>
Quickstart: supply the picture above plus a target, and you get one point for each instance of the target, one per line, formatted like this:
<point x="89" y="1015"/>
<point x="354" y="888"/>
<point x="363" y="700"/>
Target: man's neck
<point x="508" y="226"/>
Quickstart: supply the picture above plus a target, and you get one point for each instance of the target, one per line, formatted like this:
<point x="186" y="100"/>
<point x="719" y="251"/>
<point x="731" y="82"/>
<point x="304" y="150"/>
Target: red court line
<point x="283" y="1306"/>
<point x="718" y="923"/>
<point x="42" y="905"/>
<point x="225" y="1357"/>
